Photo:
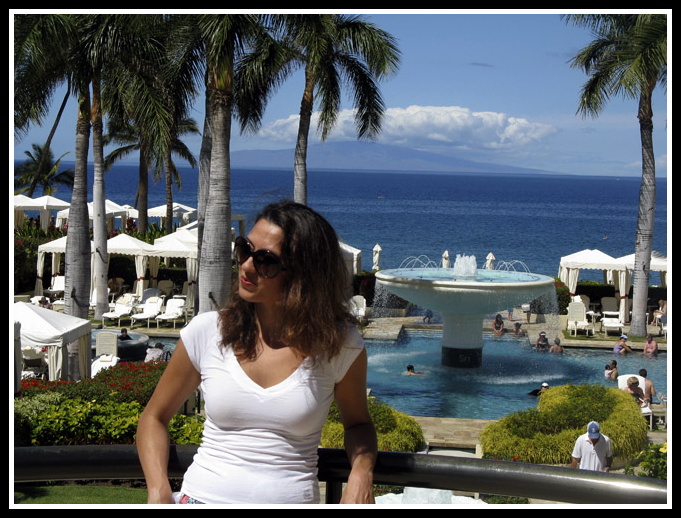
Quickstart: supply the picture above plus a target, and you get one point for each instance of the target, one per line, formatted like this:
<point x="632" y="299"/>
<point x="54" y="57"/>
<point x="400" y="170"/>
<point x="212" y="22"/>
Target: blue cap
<point x="593" y="430"/>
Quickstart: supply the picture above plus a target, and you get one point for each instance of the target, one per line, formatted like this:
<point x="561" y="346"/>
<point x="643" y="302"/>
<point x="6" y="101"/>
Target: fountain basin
<point x="464" y="301"/>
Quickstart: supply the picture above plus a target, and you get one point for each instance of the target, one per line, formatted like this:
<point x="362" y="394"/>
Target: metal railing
<point x="553" y="483"/>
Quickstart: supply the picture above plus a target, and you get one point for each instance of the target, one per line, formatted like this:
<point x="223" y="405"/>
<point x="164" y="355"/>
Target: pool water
<point x="510" y="369"/>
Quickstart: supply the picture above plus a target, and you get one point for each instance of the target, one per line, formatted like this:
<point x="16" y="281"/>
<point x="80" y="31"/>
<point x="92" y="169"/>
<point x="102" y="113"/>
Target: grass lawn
<point x="77" y="495"/>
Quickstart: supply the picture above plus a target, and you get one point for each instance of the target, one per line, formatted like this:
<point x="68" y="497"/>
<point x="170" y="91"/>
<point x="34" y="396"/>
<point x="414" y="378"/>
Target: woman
<point x="269" y="365"/>
<point x="498" y="325"/>
<point x="621" y="347"/>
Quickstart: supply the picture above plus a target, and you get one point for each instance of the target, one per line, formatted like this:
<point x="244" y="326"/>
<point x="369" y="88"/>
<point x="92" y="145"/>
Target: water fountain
<point x="463" y="295"/>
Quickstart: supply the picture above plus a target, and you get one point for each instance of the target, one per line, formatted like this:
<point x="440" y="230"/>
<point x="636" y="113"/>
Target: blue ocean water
<point x="535" y="219"/>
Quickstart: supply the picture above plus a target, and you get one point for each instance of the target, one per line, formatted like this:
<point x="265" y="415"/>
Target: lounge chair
<point x="150" y="309"/>
<point x="167" y="287"/>
<point x="103" y="362"/>
<point x="123" y="307"/>
<point x="576" y="318"/>
<point x="33" y="362"/>
<point x="93" y="298"/>
<point x="150" y="292"/>
<point x="173" y="312"/>
<point x="610" y="323"/>
<point x="57" y="287"/>
<point x="106" y="343"/>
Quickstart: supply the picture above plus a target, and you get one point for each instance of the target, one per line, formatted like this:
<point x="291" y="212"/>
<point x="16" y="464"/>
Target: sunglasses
<point x="266" y="263"/>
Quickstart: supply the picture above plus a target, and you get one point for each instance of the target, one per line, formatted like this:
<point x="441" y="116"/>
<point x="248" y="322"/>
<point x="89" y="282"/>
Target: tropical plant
<point x="628" y="57"/>
<point x="40" y="169"/>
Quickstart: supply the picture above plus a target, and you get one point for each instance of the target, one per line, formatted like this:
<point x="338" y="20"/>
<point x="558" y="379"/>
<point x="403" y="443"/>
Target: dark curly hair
<point x="315" y="301"/>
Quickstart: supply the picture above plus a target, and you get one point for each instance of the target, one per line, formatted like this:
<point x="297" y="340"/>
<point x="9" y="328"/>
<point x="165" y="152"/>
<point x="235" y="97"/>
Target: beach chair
<point x="106" y="342"/>
<point x="610" y="323"/>
<point x="174" y="311"/>
<point x="167" y="287"/>
<point x="576" y="318"/>
<point x="123" y="307"/>
<point x="102" y="362"/>
<point x="150" y="309"/>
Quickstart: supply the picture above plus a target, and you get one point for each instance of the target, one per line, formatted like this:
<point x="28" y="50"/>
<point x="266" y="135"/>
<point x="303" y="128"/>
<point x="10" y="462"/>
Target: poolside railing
<point x="552" y="483"/>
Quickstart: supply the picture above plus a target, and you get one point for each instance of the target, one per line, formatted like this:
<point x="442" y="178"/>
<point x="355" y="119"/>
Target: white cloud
<point x="430" y="126"/>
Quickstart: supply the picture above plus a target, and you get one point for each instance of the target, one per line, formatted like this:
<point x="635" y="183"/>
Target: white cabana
<point x="352" y="257"/>
<point x="570" y="265"/>
<point x="54" y="331"/>
<point x="43" y="204"/>
<point x="143" y="253"/>
<point x="658" y="263"/>
<point x="183" y="244"/>
<point x="112" y="210"/>
<point x="57" y="247"/>
<point x="182" y="213"/>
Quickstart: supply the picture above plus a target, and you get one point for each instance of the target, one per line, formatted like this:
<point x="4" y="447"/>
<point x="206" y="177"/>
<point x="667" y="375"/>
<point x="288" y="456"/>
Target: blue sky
<point x="479" y="86"/>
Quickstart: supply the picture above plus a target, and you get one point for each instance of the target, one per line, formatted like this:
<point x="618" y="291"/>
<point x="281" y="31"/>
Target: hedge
<point x="546" y="434"/>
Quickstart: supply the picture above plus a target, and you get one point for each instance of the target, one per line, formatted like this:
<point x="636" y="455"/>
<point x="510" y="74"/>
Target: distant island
<point x="371" y="156"/>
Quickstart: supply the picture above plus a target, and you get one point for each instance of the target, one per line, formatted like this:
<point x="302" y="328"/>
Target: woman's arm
<point x="360" y="434"/>
<point x="178" y="382"/>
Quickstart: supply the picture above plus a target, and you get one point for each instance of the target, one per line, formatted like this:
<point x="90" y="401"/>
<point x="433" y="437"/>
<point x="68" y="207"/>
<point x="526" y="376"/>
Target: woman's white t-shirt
<point x="259" y="444"/>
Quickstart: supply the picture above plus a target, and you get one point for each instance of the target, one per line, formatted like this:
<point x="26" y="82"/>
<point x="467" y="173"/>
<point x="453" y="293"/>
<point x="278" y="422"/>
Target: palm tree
<point x="333" y="50"/>
<point x="628" y="57"/>
<point x="213" y="43"/>
<point x="41" y="170"/>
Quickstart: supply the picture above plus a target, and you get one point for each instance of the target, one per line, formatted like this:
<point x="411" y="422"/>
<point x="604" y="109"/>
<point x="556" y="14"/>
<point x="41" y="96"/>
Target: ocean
<point x="534" y="219"/>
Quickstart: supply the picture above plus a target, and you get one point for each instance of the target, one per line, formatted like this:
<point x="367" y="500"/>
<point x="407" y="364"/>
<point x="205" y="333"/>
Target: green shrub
<point x="546" y="434"/>
<point x="652" y="462"/>
<point x="395" y="431"/>
<point x="125" y="383"/>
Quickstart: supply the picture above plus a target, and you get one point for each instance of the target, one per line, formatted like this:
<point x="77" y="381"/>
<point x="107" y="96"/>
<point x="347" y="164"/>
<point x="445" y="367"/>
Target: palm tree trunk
<point x="100" y="263"/>
<point x="169" y="191"/>
<point x="300" y="155"/>
<point x="77" y="255"/>
<point x="143" y="192"/>
<point x="203" y="187"/>
<point x="216" y="250"/>
<point x="646" y="219"/>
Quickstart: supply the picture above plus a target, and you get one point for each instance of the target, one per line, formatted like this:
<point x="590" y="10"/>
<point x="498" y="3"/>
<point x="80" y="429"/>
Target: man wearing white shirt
<point x="593" y="450"/>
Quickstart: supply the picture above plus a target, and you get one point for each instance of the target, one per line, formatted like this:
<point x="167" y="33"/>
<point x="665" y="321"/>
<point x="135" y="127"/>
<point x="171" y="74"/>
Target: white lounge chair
<point x="103" y="362"/>
<point x="106" y="343"/>
<point x="576" y="318"/>
<point x="174" y="311"/>
<point x="610" y="323"/>
<point x="124" y="306"/>
<point x="150" y="292"/>
<point x="150" y="309"/>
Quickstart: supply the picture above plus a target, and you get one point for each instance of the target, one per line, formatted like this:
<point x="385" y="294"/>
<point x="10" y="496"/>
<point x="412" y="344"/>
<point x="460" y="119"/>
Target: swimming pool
<point x="510" y="369"/>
